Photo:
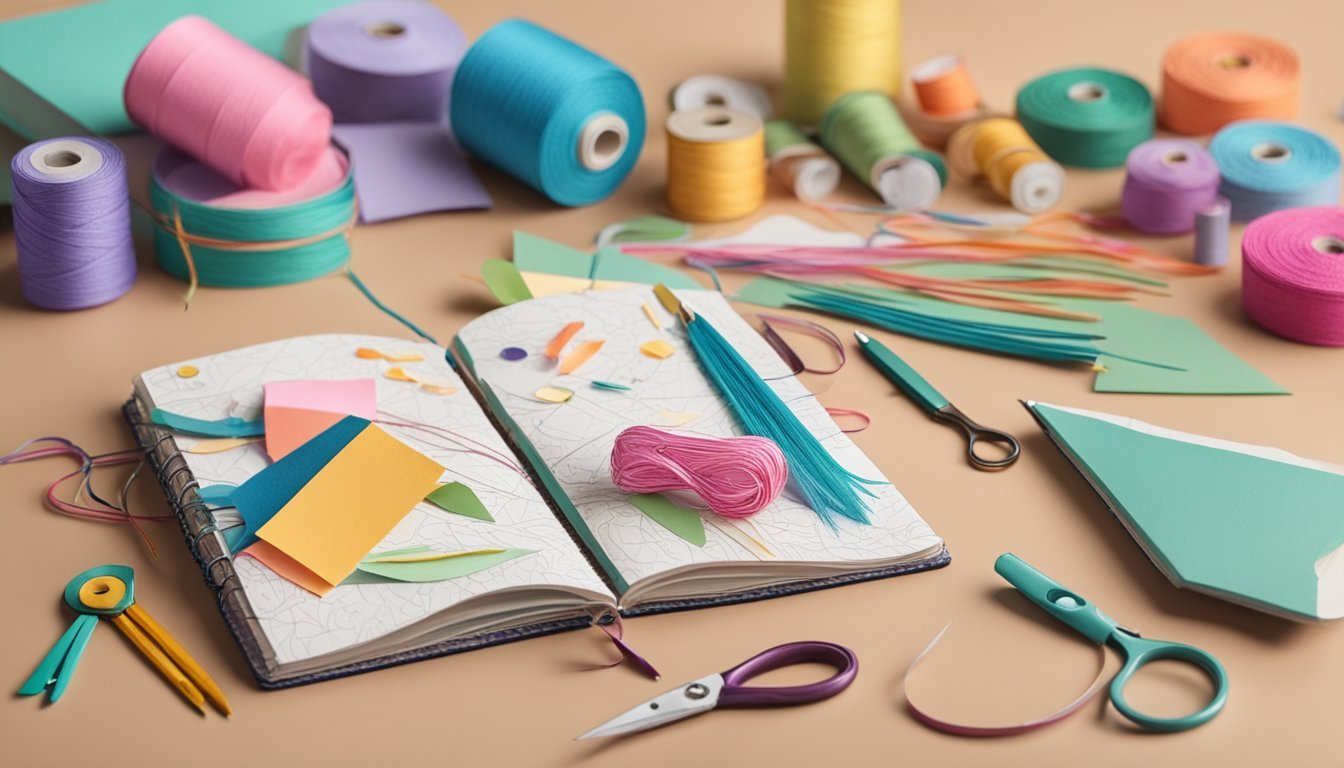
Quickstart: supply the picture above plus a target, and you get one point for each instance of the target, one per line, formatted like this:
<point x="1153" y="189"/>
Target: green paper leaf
<point x="504" y="282"/>
<point x="436" y="570"/>
<point x="460" y="500"/>
<point x="684" y="522"/>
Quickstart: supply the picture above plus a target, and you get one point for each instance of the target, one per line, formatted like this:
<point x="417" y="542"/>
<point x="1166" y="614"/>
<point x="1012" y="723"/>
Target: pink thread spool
<point x="736" y="476"/>
<point x="1292" y="274"/>
<point x="237" y="110"/>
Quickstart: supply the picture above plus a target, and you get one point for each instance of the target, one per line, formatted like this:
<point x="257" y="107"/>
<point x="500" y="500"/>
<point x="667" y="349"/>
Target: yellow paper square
<point x="657" y="348"/>
<point x="349" y="506"/>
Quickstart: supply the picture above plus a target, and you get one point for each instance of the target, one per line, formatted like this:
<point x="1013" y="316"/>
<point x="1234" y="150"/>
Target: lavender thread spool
<point x="1167" y="182"/>
<point x="72" y="223"/>
<point x="385" y="61"/>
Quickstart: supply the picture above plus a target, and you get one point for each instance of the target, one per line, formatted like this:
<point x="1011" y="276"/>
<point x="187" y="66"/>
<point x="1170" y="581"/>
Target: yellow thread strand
<point x="833" y="47"/>
<point x="186" y="255"/>
<point x="713" y="180"/>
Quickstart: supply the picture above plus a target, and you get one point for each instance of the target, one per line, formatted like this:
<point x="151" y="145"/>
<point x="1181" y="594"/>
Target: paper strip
<point x="961" y="729"/>
<point x="447" y="566"/>
<point x="557" y="344"/>
<point x="230" y="427"/>
<point x="581" y="354"/>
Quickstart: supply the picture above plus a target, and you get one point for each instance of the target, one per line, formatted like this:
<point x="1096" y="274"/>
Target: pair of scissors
<point x="1096" y="626"/>
<point x="937" y="406"/>
<point x="727" y="689"/>
<point x="109" y="591"/>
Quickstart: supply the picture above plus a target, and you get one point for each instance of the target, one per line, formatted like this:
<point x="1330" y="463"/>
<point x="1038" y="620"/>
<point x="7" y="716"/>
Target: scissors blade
<point x="685" y="701"/>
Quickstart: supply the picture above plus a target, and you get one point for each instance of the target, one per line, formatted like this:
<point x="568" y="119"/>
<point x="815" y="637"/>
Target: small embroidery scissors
<point x="109" y="591"/>
<point x="1096" y="626"/>
<point x="937" y="406"/>
<point x="726" y="689"/>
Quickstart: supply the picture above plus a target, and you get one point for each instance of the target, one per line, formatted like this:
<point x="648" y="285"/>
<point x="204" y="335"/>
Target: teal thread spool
<point x="548" y="112"/>
<point x="1271" y="166"/>
<point x="234" y="264"/>
<point x="867" y="135"/>
<point x="1085" y="117"/>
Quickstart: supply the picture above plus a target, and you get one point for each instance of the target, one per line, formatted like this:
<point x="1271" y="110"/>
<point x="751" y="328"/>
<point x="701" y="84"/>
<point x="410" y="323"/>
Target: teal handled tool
<point x="1096" y="626"/>
<point x="937" y="406"/>
<point x="108" y="591"/>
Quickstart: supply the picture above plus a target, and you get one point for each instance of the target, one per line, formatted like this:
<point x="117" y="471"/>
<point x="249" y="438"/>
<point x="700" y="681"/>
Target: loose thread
<point x="736" y="476"/>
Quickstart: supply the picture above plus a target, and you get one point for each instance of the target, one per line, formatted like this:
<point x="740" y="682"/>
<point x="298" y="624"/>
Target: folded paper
<point x="405" y="169"/>
<point x="351" y="504"/>
<point x="297" y="411"/>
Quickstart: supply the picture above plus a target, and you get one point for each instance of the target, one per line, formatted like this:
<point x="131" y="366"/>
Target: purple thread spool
<point x="72" y="223"/>
<point x="1167" y="182"/>
<point x="385" y="61"/>
<point x="1211" y="233"/>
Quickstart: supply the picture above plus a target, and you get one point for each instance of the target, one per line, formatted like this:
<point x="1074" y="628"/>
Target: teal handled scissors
<point x="937" y="406"/>
<point x="1081" y="615"/>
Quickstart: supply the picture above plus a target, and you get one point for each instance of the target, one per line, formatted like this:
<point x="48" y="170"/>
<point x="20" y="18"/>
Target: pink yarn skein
<point x="232" y="107"/>
<point x="736" y="476"/>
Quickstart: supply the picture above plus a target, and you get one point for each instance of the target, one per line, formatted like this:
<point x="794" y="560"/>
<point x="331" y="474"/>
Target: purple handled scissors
<point x="726" y="689"/>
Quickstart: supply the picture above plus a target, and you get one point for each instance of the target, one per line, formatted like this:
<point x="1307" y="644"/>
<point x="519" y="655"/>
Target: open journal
<point x="569" y="546"/>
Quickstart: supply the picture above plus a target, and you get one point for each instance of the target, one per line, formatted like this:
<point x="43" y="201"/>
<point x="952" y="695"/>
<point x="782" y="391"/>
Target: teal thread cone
<point x="521" y="100"/>
<point x="231" y="268"/>
<point x="1086" y="118"/>
<point x="1271" y="166"/>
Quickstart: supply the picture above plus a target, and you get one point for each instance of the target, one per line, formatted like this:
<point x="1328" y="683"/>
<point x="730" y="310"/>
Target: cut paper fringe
<point x="98" y="509"/>
<point x="825" y="485"/>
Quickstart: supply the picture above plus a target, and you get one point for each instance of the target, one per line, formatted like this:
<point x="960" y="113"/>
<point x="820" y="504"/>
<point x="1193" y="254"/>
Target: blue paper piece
<point x="219" y="495"/>
<point x="230" y="427"/>
<point x="266" y="492"/>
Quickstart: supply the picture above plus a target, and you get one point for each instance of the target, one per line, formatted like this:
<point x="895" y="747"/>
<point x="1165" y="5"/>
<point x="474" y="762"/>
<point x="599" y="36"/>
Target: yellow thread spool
<point x="715" y="164"/>
<point x="832" y="47"/>
<point x="1000" y="151"/>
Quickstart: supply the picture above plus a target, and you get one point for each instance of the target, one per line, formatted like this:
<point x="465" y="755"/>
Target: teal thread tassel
<point x="826" y="486"/>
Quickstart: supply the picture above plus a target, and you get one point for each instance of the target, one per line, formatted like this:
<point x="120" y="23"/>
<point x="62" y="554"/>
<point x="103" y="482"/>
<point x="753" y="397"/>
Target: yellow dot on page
<point x="188" y="371"/>
<point x="657" y="349"/>
<point x="553" y="394"/>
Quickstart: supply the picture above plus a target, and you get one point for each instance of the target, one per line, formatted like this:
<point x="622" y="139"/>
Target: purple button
<point x="513" y="353"/>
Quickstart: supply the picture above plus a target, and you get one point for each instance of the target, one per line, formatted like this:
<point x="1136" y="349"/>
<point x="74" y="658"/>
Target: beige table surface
<point x="521" y="704"/>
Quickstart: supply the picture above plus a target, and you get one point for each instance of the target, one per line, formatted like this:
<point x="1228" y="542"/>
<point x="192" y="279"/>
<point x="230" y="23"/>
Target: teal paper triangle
<point x="1251" y="528"/>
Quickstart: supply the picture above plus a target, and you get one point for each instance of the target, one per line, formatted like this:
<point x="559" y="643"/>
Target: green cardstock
<point x="1243" y="522"/>
<point x="537" y="254"/>
<point x="62" y="72"/>
<point x="430" y="570"/>
<point x="460" y="500"/>
<point x="503" y="280"/>
<point x="685" y="523"/>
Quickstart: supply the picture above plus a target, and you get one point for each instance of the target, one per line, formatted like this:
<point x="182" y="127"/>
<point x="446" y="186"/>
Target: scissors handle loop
<point x="1140" y="652"/>
<point x="734" y="693"/>
<point x="978" y="433"/>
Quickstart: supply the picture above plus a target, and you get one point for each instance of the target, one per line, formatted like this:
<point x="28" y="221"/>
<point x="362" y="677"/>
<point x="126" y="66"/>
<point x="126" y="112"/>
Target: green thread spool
<point x="798" y="163"/>
<point x="866" y="133"/>
<point x="229" y="246"/>
<point x="1085" y="117"/>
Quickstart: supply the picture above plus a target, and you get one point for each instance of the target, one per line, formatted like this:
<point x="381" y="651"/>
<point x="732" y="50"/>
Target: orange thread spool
<point x="1209" y="81"/>
<point x="943" y="86"/>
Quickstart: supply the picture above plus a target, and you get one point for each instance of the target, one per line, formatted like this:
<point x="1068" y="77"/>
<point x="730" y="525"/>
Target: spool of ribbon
<point x="384" y="61"/>
<point x="866" y="133"/>
<point x="72" y="223"/>
<point x="946" y="98"/>
<point x="1292" y="276"/>
<point x="719" y="91"/>
<point x="208" y="231"/>
<point x="736" y="476"/>
<point x="1209" y="81"/>
<point x="1270" y="166"/>
<point x="999" y="150"/>
<point x="800" y="165"/>
<point x="715" y="164"/>
<point x="833" y="47"/>
<point x="1212" y="223"/>
<point x="548" y="112"/>
<point x="1167" y="182"/>
<point x="1086" y="117"/>
<point x="228" y="105"/>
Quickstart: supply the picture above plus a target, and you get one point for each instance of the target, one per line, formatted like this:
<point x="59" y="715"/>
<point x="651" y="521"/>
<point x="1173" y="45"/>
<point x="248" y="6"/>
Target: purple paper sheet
<point x="405" y="169"/>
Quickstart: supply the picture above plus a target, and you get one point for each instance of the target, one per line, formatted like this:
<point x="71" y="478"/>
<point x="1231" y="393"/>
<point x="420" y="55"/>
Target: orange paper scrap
<point x="562" y="338"/>
<point x="581" y="354"/>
